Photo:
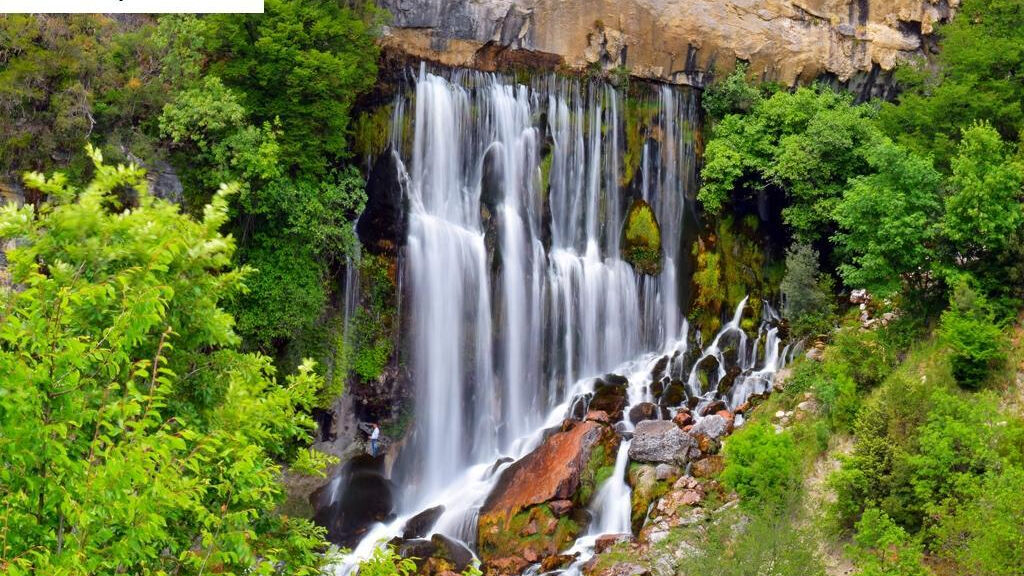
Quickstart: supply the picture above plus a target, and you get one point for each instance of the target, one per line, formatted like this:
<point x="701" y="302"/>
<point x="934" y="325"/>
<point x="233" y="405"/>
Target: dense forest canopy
<point x="190" y="190"/>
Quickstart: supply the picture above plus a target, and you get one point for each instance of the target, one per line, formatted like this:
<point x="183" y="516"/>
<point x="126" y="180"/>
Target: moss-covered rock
<point x="641" y="245"/>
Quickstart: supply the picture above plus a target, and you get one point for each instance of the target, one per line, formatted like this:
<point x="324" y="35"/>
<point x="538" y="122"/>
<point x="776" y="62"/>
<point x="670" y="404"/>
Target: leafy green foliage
<point x="69" y="79"/>
<point x="300" y="64"/>
<point x="285" y="294"/>
<point x="642" y="245"/>
<point x="385" y="561"/>
<point x="806" y="292"/>
<point x="372" y="332"/>
<point x="884" y="549"/>
<point x="115" y="459"/>
<point x="733" y="95"/>
<point x="977" y="78"/>
<point x="806" y="143"/>
<point x="984" y="535"/>
<point x="210" y="123"/>
<point x="885" y="221"/>
<point x="977" y="341"/>
<point x="770" y="543"/>
<point x="760" y="466"/>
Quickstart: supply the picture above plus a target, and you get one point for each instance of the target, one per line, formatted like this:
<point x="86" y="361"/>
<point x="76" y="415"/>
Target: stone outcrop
<point x="670" y="40"/>
<point x="538" y="505"/>
<point x="657" y="441"/>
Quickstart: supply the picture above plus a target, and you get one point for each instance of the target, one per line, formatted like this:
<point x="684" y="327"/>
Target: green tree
<point x="886" y="232"/>
<point x="806" y="292"/>
<point x="210" y="127"/>
<point x="882" y="548"/>
<point x="111" y="321"/>
<point x="977" y="78"/>
<point x="983" y="537"/>
<point x="69" y="79"/>
<point x="301" y="63"/>
<point x="806" y="143"/>
<point x="732" y="95"/>
<point x="969" y="328"/>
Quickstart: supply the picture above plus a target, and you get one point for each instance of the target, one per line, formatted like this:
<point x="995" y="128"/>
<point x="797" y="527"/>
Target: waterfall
<point x="519" y="295"/>
<point x="496" y="334"/>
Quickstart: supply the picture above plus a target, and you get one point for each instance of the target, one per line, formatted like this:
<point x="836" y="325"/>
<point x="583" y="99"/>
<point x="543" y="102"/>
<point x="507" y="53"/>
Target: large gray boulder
<point x="657" y="441"/>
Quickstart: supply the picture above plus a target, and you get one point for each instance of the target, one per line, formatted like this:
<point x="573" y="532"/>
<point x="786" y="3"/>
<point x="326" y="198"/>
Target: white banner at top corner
<point x="130" y="6"/>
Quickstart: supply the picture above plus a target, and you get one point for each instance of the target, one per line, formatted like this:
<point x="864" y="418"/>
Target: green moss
<point x="371" y="131"/>
<point x="371" y="344"/>
<point x="642" y="243"/>
<point x="545" y="175"/>
<point x="640" y="113"/>
<point x="588" y="479"/>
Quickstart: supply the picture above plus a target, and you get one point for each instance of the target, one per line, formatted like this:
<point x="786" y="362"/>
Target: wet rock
<point x="416" y="548"/>
<point x="674" y="394"/>
<point x="558" y="561"/>
<point x="726" y="383"/>
<point x="419" y="525"/>
<point x="656" y="441"/>
<point x="542" y="488"/>
<point x="708" y="467"/>
<point x="716" y="406"/>
<point x="683" y="418"/>
<point x="647" y="411"/>
<point x="646" y="488"/>
<point x="659" y="368"/>
<point x="730" y="420"/>
<point x="622" y="429"/>
<point x="610" y="396"/>
<point x="499" y="463"/>
<point x="606" y="541"/>
<point x="599" y="416"/>
<point x="452" y="550"/>
<point x="363" y="496"/>
<point x="691" y="403"/>
<point x="561" y="507"/>
<point x="383" y="225"/>
<point x="707" y="373"/>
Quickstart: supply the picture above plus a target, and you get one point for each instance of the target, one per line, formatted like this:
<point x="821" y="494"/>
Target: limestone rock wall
<point x="678" y="41"/>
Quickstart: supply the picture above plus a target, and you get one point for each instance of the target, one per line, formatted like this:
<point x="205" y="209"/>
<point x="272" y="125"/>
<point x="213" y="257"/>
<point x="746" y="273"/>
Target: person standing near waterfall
<point x="374" y="435"/>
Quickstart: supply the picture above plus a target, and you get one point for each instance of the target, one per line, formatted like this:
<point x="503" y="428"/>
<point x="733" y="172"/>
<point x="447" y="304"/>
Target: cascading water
<point x="491" y="352"/>
<point x="519" y="294"/>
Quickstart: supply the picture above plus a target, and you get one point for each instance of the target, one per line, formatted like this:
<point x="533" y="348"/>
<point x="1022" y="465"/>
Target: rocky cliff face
<point x="679" y="41"/>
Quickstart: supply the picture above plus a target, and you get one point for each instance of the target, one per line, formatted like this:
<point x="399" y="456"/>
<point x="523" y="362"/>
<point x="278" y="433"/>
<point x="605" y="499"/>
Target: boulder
<point x="674" y="394"/>
<point x="552" y="563"/>
<point x="606" y="541"/>
<point x="683" y="418"/>
<point x="610" y="396"/>
<point x="453" y="551"/>
<point x="708" y="467"/>
<point x="708" y="432"/>
<point x="647" y="411"/>
<point x="667" y="472"/>
<point x="716" y="406"/>
<point x="537" y="506"/>
<point x="656" y="441"/>
<point x="599" y="416"/>
<point x="419" y="525"/>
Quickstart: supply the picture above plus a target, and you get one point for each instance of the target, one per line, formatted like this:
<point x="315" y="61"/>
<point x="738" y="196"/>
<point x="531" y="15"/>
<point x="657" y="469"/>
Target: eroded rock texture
<point x="677" y="41"/>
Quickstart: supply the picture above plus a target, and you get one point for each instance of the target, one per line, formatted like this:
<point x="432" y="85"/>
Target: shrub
<point x="806" y="292"/>
<point x="984" y="536"/>
<point x="761" y="466"/>
<point x="881" y="548"/>
<point x="970" y="330"/>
